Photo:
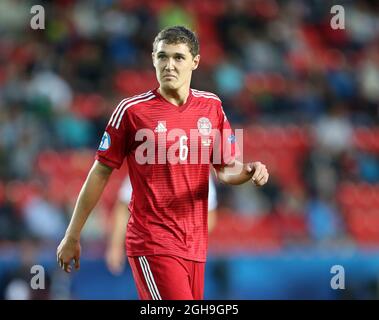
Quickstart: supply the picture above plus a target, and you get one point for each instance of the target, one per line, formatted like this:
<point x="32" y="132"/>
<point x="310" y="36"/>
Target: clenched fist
<point x="259" y="173"/>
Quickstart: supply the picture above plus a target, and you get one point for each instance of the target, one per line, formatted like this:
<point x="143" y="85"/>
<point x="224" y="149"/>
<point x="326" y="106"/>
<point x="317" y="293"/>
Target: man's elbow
<point x="102" y="170"/>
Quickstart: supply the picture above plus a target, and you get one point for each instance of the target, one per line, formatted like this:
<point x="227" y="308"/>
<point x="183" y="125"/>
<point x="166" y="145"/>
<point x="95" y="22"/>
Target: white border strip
<point x="147" y="278"/>
<point x="151" y="277"/>
<point x="205" y="95"/>
<point x="116" y="112"/>
<point x="129" y="105"/>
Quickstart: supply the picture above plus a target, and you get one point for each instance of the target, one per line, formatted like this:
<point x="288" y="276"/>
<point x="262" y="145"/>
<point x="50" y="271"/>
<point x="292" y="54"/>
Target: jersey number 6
<point x="183" y="148"/>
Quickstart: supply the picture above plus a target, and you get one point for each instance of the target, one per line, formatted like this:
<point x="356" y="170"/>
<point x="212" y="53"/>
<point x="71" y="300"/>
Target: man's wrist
<point x="72" y="237"/>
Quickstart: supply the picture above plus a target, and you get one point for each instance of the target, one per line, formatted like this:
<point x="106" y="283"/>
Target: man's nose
<point x="170" y="64"/>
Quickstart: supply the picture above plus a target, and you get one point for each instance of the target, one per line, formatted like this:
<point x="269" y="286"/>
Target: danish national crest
<point x="204" y="126"/>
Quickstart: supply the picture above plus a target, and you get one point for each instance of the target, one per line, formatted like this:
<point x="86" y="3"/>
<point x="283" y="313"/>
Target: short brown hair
<point x="178" y="34"/>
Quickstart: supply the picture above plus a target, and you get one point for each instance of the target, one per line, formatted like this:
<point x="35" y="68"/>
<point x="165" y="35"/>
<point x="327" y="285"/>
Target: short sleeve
<point x="116" y="140"/>
<point x="225" y="149"/>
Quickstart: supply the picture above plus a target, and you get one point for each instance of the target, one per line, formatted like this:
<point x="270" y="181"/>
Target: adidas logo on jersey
<point x="161" y="127"/>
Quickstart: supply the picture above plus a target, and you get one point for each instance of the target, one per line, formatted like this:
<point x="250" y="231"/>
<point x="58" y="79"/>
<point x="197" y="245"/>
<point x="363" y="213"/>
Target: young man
<point x="115" y="252"/>
<point x="156" y="131"/>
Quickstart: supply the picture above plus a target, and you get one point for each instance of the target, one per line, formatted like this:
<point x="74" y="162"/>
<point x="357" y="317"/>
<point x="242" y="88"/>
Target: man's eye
<point x="179" y="58"/>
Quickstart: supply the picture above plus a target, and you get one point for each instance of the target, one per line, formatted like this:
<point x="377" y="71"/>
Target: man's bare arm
<point x="88" y="197"/>
<point x="69" y="248"/>
<point x="239" y="173"/>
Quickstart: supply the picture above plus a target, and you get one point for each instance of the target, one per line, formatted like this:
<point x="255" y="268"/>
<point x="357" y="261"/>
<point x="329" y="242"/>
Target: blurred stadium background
<point x="306" y="95"/>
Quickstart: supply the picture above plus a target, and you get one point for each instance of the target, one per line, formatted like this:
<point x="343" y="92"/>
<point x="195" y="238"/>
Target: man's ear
<point x="196" y="61"/>
<point x="152" y="57"/>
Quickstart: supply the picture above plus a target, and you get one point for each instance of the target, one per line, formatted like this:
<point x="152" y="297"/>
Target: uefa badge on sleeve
<point x="232" y="138"/>
<point x="105" y="142"/>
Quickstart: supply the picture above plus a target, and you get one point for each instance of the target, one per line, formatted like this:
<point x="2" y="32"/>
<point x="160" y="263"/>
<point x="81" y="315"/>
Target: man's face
<point x="174" y="64"/>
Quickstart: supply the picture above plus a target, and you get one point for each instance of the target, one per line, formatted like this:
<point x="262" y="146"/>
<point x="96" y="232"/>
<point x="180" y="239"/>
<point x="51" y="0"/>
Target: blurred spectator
<point x="44" y="220"/>
<point x="229" y="77"/>
<point x="333" y="132"/>
<point x="72" y="131"/>
<point x="175" y="14"/>
<point x="260" y="55"/>
<point x="323" y="221"/>
<point x="12" y="226"/>
<point x="368" y="166"/>
<point x="362" y="22"/>
<point x="14" y="15"/>
<point x="368" y="74"/>
<point x="248" y="201"/>
<point x="48" y="84"/>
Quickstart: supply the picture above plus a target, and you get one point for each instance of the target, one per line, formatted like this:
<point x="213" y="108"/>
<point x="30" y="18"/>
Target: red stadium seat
<point x="347" y="195"/>
<point x="143" y="80"/>
<point x="89" y="106"/>
<point x="367" y="139"/>
<point x="364" y="225"/>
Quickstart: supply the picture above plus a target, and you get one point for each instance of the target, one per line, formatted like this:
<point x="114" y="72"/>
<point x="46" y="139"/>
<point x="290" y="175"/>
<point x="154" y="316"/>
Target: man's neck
<point x="177" y="97"/>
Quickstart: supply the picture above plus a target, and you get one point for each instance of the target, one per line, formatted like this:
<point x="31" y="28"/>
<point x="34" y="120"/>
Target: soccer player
<point x="115" y="252"/>
<point x="158" y="133"/>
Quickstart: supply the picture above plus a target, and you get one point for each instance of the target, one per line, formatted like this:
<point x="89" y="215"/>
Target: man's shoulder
<point x="141" y="99"/>
<point x="127" y="105"/>
<point x="205" y="95"/>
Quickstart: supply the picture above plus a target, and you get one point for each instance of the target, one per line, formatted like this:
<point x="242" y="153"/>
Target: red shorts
<point x="168" y="277"/>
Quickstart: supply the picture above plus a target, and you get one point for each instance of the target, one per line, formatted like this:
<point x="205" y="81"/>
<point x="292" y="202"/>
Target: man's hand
<point x="69" y="249"/>
<point x="259" y="171"/>
<point x="238" y="173"/>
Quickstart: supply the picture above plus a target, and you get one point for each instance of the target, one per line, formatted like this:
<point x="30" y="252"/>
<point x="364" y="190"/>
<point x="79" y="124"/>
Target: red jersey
<point x="168" y="150"/>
